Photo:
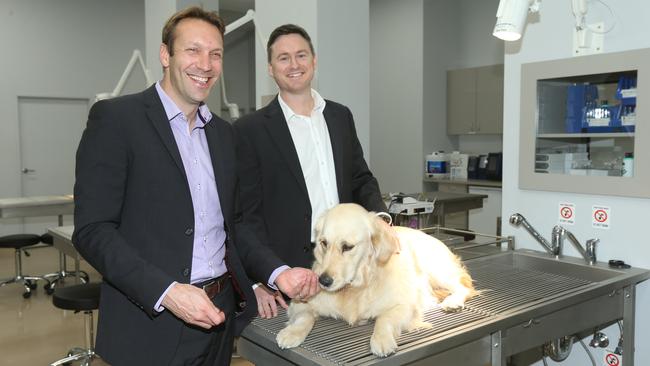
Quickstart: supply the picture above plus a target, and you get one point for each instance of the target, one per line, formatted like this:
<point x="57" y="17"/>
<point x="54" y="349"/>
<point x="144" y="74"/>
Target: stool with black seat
<point x="56" y="277"/>
<point x="83" y="297"/>
<point x="18" y="243"/>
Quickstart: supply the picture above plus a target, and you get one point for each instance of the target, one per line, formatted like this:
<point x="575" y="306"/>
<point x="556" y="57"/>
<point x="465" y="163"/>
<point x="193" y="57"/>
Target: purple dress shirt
<point x="208" y="254"/>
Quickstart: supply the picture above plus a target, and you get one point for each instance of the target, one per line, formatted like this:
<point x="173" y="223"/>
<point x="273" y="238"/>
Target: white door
<point x="50" y="130"/>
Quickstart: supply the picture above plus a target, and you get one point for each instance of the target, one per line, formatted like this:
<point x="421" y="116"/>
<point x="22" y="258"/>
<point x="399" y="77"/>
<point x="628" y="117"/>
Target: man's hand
<point x="266" y="299"/>
<point x="298" y="283"/>
<point x="192" y="305"/>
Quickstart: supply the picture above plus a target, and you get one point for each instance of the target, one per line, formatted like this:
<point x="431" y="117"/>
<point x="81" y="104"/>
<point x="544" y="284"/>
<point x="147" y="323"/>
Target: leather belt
<point x="214" y="286"/>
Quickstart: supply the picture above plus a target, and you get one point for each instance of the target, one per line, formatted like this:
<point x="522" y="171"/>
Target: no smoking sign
<point x="601" y="217"/>
<point x="566" y="213"/>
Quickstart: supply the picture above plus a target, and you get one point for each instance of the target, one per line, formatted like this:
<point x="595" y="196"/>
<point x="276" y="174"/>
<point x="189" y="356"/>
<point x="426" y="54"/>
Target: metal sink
<point x="528" y="298"/>
<point x="572" y="267"/>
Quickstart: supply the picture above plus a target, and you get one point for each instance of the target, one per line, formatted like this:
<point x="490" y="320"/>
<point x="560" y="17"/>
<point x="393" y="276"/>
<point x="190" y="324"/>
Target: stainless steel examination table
<point x="528" y="299"/>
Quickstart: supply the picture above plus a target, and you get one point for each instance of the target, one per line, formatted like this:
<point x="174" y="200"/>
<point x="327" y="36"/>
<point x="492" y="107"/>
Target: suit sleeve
<point x="257" y="256"/>
<point x="102" y="167"/>
<point x="365" y="188"/>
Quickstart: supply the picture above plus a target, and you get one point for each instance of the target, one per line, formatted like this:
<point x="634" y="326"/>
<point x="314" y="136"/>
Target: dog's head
<point x="350" y="243"/>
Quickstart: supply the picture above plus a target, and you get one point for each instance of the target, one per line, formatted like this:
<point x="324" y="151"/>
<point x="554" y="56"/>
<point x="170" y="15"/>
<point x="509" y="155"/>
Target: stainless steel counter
<point x="36" y="206"/>
<point x="528" y="299"/>
<point x="466" y="182"/>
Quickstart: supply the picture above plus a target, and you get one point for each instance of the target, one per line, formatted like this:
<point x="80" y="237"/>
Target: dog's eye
<point x="346" y="247"/>
<point x="323" y="243"/>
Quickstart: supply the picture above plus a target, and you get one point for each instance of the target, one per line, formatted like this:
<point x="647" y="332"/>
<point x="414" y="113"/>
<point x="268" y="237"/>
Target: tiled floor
<point x="33" y="331"/>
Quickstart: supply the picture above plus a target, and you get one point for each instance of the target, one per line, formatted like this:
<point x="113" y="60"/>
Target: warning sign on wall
<point x="612" y="359"/>
<point x="566" y="213"/>
<point x="601" y="217"/>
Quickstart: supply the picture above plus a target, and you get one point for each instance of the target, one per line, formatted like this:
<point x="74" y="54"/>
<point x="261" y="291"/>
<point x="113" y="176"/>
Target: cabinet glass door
<point x="586" y="124"/>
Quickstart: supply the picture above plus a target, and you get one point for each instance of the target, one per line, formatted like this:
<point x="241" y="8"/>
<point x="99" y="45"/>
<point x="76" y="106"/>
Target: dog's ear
<point x="383" y="239"/>
<point x="320" y="222"/>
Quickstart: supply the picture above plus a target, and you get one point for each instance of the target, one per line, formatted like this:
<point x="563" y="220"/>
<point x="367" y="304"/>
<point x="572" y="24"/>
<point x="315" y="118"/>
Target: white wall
<point x="478" y="48"/>
<point x="343" y="58"/>
<point x="551" y="38"/>
<point x="441" y="48"/>
<point x="62" y="49"/>
<point x="396" y="85"/>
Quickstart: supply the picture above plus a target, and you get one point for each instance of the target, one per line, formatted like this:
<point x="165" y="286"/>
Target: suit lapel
<point x="334" y="127"/>
<point x="157" y="116"/>
<point x="277" y="127"/>
<point x="217" y="147"/>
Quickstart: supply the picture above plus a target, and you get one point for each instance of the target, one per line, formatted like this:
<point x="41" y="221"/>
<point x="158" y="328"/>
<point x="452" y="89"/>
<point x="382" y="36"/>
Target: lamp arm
<point x="579" y="8"/>
<point x="136" y="57"/>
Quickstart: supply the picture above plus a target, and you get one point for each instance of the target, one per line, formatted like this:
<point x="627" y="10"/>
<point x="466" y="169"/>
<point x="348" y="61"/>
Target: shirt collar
<point x="319" y="105"/>
<point x="172" y="110"/>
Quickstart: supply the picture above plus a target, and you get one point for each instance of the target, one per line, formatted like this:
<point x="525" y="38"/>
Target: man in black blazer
<point x="297" y="157"/>
<point x="156" y="212"/>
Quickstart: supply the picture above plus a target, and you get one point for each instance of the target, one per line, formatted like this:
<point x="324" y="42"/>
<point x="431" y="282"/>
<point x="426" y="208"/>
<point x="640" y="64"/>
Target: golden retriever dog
<point x="368" y="270"/>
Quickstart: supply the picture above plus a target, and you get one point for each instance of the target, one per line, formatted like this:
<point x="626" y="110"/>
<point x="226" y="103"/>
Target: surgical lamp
<point x="511" y="17"/>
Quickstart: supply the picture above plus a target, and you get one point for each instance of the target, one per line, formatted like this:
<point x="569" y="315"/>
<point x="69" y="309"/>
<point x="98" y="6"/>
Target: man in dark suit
<point x="156" y="212"/>
<point x="298" y="156"/>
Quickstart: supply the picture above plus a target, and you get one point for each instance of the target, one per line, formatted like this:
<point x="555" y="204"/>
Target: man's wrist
<point x="275" y="274"/>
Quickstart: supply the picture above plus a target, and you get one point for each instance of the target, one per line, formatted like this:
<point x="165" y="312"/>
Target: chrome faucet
<point x="589" y="254"/>
<point x="554" y="248"/>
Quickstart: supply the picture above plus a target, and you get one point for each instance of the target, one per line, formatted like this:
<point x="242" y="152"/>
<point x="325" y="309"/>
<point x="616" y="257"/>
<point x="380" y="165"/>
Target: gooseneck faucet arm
<point x="553" y="249"/>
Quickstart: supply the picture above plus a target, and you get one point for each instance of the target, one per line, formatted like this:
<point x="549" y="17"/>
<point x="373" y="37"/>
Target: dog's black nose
<point x="325" y="280"/>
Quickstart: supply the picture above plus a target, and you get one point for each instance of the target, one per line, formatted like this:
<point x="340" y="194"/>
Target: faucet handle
<point x="591" y="243"/>
<point x="591" y="249"/>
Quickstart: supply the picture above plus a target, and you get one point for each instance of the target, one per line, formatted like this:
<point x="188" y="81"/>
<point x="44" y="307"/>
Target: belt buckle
<point x="204" y="287"/>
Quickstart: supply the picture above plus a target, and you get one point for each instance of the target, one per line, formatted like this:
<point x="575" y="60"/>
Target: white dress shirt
<point x="312" y="141"/>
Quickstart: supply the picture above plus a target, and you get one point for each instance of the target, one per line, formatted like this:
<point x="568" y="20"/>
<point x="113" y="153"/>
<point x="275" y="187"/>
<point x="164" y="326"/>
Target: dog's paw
<point x="452" y="304"/>
<point x="290" y="337"/>
<point x="382" y="345"/>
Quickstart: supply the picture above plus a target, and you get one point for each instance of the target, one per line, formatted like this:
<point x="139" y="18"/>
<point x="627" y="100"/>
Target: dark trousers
<point x="212" y="347"/>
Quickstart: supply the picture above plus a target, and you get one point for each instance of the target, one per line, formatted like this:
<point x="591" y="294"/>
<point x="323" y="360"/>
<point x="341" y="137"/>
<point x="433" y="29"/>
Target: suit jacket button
<point x="189" y="231"/>
<point x="186" y="272"/>
<point x="305" y="249"/>
<point x="307" y="218"/>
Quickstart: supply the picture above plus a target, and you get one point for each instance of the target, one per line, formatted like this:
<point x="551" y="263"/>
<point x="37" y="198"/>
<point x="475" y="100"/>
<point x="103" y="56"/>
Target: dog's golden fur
<point x="369" y="271"/>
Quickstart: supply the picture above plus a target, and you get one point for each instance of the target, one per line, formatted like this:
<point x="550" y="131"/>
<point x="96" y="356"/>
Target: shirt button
<point x="189" y="231"/>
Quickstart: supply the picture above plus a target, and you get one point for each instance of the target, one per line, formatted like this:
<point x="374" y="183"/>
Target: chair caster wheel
<point x="27" y="294"/>
<point x="32" y="285"/>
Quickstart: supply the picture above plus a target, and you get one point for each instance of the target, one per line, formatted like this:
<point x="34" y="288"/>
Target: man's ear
<point x="164" y="55"/>
<point x="383" y="238"/>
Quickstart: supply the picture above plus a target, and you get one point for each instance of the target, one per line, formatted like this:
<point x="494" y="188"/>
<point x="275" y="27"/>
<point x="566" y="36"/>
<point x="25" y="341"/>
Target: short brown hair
<point x="283" y="30"/>
<point x="192" y="12"/>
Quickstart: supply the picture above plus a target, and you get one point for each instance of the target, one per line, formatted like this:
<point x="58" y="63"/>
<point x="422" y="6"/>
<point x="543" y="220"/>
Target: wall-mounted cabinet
<point x="475" y="100"/>
<point x="584" y="125"/>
